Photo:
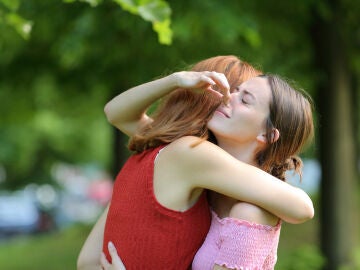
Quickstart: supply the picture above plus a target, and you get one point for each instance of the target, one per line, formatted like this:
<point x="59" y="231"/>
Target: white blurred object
<point x="18" y="213"/>
<point x="46" y="196"/>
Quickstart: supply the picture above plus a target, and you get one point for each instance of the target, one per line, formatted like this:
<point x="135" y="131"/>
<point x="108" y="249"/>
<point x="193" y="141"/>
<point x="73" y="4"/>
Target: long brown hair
<point x="183" y="112"/>
<point x="290" y="113"/>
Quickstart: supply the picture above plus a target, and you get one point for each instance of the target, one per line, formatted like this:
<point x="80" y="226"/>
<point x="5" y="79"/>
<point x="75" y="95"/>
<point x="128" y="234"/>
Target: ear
<point x="275" y="135"/>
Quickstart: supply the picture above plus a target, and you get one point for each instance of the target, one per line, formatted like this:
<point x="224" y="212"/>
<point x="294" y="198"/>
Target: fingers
<point x="116" y="263"/>
<point x="222" y="83"/>
<point x="205" y="80"/>
<point x="115" y="257"/>
<point x="219" y="79"/>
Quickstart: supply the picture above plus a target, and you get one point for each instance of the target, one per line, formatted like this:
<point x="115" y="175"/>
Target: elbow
<point x="111" y="116"/>
<point x="107" y="111"/>
<point x="309" y="214"/>
<point x="306" y="213"/>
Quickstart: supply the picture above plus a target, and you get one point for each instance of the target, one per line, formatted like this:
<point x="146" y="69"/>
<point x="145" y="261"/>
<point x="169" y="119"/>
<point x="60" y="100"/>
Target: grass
<point x="59" y="250"/>
<point x="53" y="251"/>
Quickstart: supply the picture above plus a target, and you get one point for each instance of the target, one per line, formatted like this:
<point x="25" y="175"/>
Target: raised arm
<point x="127" y="111"/>
<point x="208" y="166"/>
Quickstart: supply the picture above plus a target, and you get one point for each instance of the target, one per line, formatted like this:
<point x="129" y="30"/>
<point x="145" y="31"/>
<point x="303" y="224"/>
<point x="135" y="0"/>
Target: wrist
<point x="174" y="80"/>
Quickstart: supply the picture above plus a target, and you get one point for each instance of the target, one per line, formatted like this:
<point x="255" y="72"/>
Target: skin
<point x="206" y="166"/>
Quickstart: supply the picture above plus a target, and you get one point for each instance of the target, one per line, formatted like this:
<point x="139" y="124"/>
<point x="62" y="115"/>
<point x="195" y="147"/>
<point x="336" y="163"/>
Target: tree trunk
<point x="337" y="143"/>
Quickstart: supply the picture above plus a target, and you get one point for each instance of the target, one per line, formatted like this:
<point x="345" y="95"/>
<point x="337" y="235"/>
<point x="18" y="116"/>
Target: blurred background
<point x="62" y="60"/>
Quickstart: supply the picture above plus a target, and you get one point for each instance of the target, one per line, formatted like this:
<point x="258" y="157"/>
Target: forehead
<point x="257" y="86"/>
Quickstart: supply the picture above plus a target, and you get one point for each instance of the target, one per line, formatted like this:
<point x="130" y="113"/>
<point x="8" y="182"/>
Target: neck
<point x="241" y="151"/>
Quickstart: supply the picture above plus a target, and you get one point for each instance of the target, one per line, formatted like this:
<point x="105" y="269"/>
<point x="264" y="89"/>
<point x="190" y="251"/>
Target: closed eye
<point x="247" y="97"/>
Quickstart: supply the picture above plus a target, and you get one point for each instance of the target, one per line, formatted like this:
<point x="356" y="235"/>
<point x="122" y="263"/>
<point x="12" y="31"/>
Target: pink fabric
<point x="238" y="244"/>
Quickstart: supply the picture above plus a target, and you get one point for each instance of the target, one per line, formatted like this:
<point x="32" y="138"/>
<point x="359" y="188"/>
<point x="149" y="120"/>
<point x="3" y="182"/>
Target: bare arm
<point x="127" y="111"/>
<point x="89" y="257"/>
<point x="210" y="167"/>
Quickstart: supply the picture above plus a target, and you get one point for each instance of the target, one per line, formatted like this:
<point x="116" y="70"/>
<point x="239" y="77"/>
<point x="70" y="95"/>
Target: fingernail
<point x="111" y="245"/>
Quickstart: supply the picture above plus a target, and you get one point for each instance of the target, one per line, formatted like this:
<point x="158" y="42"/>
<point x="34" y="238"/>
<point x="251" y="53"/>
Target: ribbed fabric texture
<point x="146" y="234"/>
<point x="238" y="244"/>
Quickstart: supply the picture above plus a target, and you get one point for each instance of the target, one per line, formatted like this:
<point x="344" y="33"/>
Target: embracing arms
<point x="210" y="167"/>
<point x="207" y="165"/>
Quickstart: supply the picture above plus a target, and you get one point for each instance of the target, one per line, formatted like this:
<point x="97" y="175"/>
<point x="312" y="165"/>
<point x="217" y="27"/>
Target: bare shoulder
<point x="252" y="213"/>
<point x="176" y="154"/>
<point x="190" y="147"/>
<point x="191" y="157"/>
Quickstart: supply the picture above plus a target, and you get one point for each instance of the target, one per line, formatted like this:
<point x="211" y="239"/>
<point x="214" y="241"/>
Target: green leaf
<point x="128" y="5"/>
<point x="164" y="31"/>
<point x="155" y="11"/>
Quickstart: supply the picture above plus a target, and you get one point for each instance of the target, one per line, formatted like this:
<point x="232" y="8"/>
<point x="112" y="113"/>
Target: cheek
<point x="250" y="121"/>
<point x="213" y="123"/>
<point x="245" y="116"/>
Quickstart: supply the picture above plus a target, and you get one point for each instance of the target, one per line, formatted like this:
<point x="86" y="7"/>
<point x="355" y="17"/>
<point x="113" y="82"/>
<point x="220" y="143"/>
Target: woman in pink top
<point x="264" y="124"/>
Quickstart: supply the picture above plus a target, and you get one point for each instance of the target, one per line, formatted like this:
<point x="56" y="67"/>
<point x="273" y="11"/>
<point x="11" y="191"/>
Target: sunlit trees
<point x="61" y="61"/>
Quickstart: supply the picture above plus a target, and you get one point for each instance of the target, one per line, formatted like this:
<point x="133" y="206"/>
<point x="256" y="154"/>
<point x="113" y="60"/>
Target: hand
<point x="205" y="80"/>
<point x="116" y="264"/>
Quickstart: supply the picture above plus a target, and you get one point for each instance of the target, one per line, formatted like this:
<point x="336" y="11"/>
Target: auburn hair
<point x="183" y="112"/>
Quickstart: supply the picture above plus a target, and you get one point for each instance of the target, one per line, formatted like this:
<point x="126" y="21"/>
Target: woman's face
<point x="243" y="120"/>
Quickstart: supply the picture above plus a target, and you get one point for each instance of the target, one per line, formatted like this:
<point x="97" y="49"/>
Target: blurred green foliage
<point x="9" y="15"/>
<point x="302" y="258"/>
<point x="61" y="61"/>
<point x="79" y="54"/>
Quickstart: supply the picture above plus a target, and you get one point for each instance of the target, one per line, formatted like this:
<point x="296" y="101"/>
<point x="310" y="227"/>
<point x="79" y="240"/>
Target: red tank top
<point x="146" y="234"/>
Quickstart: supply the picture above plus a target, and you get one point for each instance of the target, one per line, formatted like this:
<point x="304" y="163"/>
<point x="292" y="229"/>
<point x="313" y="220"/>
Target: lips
<point x="223" y="112"/>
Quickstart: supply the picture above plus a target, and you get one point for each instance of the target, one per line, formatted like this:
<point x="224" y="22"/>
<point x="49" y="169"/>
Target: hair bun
<point x="293" y="163"/>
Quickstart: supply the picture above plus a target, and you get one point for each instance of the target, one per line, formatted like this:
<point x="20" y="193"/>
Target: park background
<point x="62" y="60"/>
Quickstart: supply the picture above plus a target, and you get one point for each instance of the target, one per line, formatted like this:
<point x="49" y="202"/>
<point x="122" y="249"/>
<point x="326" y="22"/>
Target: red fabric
<point x="146" y="234"/>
